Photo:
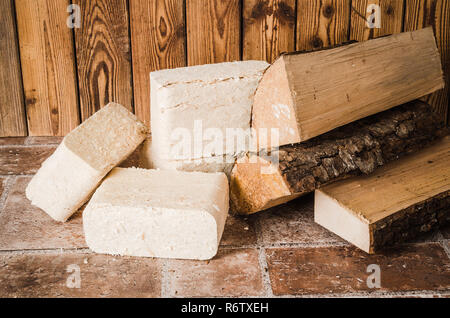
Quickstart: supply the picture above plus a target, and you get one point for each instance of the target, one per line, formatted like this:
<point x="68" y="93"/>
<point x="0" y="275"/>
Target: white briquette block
<point x="156" y="213"/>
<point x="210" y="97"/>
<point x="149" y="159"/>
<point x="68" y="177"/>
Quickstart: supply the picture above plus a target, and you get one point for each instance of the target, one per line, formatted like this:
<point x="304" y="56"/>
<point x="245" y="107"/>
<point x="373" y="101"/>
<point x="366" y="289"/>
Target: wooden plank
<point x="398" y="202"/>
<point x="12" y="108"/>
<point x="259" y="182"/>
<point x="391" y="19"/>
<point x="322" y="23"/>
<point x="158" y="40"/>
<point x="268" y="28"/>
<point x="103" y="55"/>
<point x="213" y="31"/>
<point x="48" y="67"/>
<point x="436" y="13"/>
<point x="319" y="91"/>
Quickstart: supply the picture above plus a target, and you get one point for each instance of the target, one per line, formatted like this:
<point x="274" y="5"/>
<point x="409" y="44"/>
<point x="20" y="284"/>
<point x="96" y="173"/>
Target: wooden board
<point x="399" y="201"/>
<point x="436" y="13"/>
<point x="103" y="55"/>
<point x="322" y="23"/>
<point x="12" y="108"/>
<point x="48" y="67"/>
<point x="268" y="28"/>
<point x="305" y="95"/>
<point x="259" y="182"/>
<point x="391" y="19"/>
<point x="213" y="31"/>
<point x="158" y="41"/>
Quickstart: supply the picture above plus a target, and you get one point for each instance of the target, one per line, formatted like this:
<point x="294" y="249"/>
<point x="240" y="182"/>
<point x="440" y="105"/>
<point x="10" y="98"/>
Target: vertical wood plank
<point x="213" y="31"/>
<point x="391" y="14"/>
<point x="158" y="40"/>
<point x="12" y="108"/>
<point x="103" y="55"/>
<point x="322" y="23"/>
<point x="48" y="66"/>
<point x="436" y="13"/>
<point x="268" y="28"/>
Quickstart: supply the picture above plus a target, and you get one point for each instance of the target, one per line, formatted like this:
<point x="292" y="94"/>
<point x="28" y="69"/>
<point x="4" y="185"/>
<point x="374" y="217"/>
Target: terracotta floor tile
<point x="36" y="140"/>
<point x="23" y="160"/>
<point x="12" y="140"/>
<point x="46" y="275"/>
<point x="23" y="226"/>
<point x="239" y="231"/>
<point x="298" y="271"/>
<point x="293" y="222"/>
<point x="233" y="272"/>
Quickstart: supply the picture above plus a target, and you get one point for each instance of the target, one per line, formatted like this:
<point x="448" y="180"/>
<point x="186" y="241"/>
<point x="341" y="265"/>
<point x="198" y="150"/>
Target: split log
<point x="306" y="95"/>
<point x="260" y="182"/>
<point x="396" y="203"/>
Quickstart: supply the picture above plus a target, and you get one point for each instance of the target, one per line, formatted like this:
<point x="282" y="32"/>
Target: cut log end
<point x="257" y="185"/>
<point x="357" y="148"/>
<point x="306" y="95"/>
<point x="273" y="107"/>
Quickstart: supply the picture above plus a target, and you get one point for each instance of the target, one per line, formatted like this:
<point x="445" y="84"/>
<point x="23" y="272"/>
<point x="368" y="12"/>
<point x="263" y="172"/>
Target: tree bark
<point x="413" y="221"/>
<point x="354" y="149"/>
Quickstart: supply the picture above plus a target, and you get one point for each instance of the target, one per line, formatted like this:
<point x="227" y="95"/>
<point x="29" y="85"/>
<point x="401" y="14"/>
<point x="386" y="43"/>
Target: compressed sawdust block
<point x="398" y="202"/>
<point x="259" y="182"/>
<point x="155" y="213"/>
<point x="194" y="108"/>
<point x="70" y="175"/>
<point x="304" y="95"/>
<point x="149" y="159"/>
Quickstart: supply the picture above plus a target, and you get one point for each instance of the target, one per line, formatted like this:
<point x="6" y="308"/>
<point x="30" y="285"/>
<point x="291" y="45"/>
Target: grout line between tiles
<point x="386" y="294"/>
<point x="165" y="284"/>
<point x="81" y="250"/>
<point x="265" y="272"/>
<point x="29" y="146"/>
<point x="7" y="185"/>
<point x="15" y="175"/>
<point x="267" y="285"/>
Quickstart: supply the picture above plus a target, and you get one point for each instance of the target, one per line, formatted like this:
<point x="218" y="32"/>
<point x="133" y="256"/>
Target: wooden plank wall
<point x="53" y="77"/>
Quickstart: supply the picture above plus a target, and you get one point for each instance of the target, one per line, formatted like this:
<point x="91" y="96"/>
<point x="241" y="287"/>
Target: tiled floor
<point x="280" y="252"/>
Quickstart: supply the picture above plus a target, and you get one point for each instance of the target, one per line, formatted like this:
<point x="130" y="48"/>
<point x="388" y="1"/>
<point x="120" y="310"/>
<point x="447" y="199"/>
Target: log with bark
<point x="307" y="94"/>
<point x="260" y="182"/>
<point x="398" y="202"/>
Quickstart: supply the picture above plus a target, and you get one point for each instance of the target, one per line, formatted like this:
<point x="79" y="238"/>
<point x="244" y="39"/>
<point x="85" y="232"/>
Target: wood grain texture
<point x="12" y="107"/>
<point x="322" y="23"/>
<point x="436" y="13"/>
<point x="213" y="31"/>
<point x="158" y="40"/>
<point x="268" y="28"/>
<point x="397" y="202"/>
<point x="260" y="182"/>
<point x="103" y="55"/>
<point x="48" y="67"/>
<point x="322" y="90"/>
<point x="391" y="22"/>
